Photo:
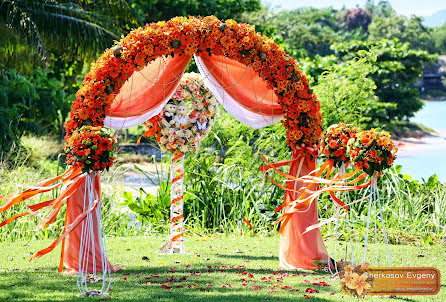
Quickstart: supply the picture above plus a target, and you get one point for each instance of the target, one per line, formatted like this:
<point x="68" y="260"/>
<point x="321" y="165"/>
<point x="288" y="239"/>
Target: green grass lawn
<point x="220" y="268"/>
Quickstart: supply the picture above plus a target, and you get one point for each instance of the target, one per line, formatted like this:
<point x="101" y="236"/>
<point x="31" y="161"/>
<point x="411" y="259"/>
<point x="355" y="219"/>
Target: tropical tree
<point x="405" y="29"/>
<point x="398" y="69"/>
<point x="356" y="17"/>
<point x="32" y="29"/>
<point x="307" y="32"/>
<point x="159" y="10"/>
<point x="346" y="91"/>
<point x="439" y="36"/>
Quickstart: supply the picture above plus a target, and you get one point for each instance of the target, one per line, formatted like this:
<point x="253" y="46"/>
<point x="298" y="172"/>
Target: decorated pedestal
<point x="176" y="238"/>
<point x="178" y="131"/>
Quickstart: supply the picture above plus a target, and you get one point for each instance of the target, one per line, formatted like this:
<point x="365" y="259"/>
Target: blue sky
<point x="403" y="7"/>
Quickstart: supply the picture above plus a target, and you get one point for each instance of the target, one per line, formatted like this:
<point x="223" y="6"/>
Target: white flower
<point x="164" y="123"/>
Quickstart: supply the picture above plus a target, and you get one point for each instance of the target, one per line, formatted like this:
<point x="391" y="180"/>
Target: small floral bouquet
<point x="334" y="144"/>
<point x="355" y="280"/>
<point x="372" y="151"/>
<point x="91" y="148"/>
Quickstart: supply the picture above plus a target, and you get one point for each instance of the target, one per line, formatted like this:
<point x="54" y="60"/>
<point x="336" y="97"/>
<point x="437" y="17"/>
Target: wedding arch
<point x="250" y="76"/>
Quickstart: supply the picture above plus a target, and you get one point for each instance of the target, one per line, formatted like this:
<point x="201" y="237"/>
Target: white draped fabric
<point x="132" y="121"/>
<point x="247" y="117"/>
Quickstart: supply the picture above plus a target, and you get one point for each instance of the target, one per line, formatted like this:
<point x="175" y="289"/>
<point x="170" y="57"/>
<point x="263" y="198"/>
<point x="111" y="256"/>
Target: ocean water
<point x="428" y="157"/>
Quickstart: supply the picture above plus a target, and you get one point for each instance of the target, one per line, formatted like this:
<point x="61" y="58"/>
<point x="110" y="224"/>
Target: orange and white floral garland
<point x="180" y="36"/>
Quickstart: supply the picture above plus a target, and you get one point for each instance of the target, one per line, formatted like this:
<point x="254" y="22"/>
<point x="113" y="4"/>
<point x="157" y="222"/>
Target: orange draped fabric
<point x="298" y="250"/>
<point x="243" y="85"/>
<point x="148" y="88"/>
<point x="70" y="244"/>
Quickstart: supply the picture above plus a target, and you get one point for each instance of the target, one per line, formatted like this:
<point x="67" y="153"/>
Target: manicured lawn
<point x="220" y="268"/>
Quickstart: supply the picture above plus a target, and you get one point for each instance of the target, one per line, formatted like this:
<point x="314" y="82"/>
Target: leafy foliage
<point x="16" y="92"/>
<point x="153" y="209"/>
<point x="410" y="30"/>
<point x="398" y="69"/>
<point x="71" y="27"/>
<point x="161" y="10"/>
<point x="35" y="104"/>
<point x="305" y="31"/>
<point x="439" y="36"/>
<point x="347" y="92"/>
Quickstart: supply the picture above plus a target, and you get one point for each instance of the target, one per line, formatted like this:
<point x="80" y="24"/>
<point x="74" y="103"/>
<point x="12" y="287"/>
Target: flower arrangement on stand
<point x="334" y="149"/>
<point x="372" y="151"/>
<point x="179" y="131"/>
<point x="334" y="143"/>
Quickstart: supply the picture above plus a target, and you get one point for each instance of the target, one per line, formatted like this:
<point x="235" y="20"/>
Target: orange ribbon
<point x="74" y="178"/>
<point x="175" y="200"/>
<point x="247" y="222"/>
<point x="335" y="183"/>
<point x="67" y="230"/>
<point x="45" y="186"/>
<point x="156" y="128"/>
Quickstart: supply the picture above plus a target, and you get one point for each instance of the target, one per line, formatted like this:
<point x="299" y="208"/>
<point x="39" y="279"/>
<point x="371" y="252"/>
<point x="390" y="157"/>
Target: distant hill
<point x="437" y="19"/>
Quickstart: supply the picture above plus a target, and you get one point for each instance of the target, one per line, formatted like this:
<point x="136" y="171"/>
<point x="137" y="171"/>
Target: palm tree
<point x="32" y="29"/>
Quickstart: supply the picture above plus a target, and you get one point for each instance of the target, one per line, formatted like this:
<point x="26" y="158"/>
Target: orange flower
<point x="333" y="144"/>
<point x="83" y="114"/>
<point x="348" y="278"/>
<point x="348" y="269"/>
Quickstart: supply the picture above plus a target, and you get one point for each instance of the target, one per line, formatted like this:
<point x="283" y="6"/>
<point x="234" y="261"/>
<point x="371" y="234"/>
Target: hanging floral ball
<point x="181" y="130"/>
<point x="334" y="142"/>
<point x="91" y="148"/>
<point x="372" y="151"/>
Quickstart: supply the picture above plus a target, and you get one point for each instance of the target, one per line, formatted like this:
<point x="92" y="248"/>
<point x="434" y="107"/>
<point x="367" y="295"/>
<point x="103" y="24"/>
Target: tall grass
<point x="219" y="198"/>
<point x="413" y="211"/>
<point x="218" y="195"/>
<point x="32" y="162"/>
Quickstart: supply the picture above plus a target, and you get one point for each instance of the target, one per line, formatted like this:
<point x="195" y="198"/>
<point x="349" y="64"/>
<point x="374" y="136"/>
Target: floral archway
<point x="207" y="38"/>
<point x="250" y="76"/>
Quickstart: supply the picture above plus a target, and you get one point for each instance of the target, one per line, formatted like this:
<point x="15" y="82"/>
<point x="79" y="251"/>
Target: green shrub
<point x="397" y="70"/>
<point x="347" y="93"/>
<point x="35" y="104"/>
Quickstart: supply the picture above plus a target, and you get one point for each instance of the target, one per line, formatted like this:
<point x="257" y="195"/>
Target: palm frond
<point x="81" y="27"/>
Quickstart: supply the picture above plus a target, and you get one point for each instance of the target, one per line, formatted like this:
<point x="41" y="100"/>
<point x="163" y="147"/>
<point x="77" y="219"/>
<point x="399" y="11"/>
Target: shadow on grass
<point x="248" y="257"/>
<point x="47" y="285"/>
